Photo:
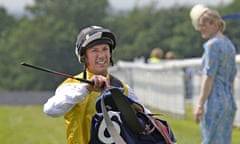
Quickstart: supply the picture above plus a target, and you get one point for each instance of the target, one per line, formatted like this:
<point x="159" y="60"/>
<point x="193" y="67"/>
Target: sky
<point x="127" y="4"/>
<point x="17" y="6"/>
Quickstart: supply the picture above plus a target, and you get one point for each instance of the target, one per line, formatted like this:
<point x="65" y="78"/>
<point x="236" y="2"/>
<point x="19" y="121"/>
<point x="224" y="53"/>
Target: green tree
<point x="232" y="24"/>
<point x="47" y="39"/>
<point x="145" y="28"/>
<point x="80" y="13"/>
<point x="7" y="24"/>
<point x="7" y="21"/>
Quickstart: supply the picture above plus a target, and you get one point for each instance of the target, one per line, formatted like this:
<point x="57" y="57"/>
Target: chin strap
<point x="111" y="61"/>
<point x="84" y="72"/>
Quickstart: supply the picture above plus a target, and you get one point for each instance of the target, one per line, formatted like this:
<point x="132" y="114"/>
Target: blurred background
<point x="43" y="32"/>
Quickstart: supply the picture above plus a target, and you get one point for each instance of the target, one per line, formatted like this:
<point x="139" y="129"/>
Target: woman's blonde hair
<point x="212" y="16"/>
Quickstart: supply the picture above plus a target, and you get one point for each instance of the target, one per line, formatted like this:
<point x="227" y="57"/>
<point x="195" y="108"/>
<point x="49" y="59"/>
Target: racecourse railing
<point x="163" y="86"/>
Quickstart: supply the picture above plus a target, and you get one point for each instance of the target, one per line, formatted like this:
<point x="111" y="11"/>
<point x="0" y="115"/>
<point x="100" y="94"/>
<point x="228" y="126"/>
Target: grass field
<point x="28" y="125"/>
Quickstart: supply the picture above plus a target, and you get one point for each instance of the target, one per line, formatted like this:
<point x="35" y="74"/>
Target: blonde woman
<point x="216" y="108"/>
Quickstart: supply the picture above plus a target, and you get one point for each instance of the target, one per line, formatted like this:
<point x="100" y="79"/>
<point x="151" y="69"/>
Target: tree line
<point x="46" y="36"/>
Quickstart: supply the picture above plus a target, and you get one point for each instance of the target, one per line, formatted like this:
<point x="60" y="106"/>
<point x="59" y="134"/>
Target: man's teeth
<point x="101" y="62"/>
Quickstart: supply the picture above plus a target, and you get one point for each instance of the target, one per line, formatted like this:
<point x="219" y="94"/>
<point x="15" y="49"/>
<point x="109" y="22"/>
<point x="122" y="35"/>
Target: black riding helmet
<point x="91" y="36"/>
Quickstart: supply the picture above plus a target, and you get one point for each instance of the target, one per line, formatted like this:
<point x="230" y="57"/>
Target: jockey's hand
<point x="100" y="83"/>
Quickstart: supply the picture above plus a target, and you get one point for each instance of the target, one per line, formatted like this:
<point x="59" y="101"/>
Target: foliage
<point x="44" y="44"/>
<point x="7" y="21"/>
<point x="232" y="29"/>
<point x="80" y="13"/>
<point x="46" y="39"/>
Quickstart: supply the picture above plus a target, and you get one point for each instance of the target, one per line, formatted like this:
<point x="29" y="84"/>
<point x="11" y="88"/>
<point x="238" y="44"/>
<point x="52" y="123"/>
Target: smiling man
<point x="75" y="100"/>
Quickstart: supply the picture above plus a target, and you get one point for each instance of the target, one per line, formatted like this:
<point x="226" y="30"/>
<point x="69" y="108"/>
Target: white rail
<point x="161" y="86"/>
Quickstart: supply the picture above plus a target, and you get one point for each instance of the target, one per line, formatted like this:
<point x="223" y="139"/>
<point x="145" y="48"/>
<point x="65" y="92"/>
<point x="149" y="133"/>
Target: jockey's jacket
<point x="73" y="101"/>
<point x="78" y="119"/>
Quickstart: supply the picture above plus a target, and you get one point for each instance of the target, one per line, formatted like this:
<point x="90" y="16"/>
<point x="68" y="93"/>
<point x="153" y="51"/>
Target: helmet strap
<point x="111" y="61"/>
<point x="82" y="59"/>
<point x="84" y="71"/>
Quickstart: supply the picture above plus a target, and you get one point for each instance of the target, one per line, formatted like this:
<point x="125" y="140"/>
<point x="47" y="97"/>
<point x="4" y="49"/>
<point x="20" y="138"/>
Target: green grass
<point x="28" y="125"/>
<point x="188" y="132"/>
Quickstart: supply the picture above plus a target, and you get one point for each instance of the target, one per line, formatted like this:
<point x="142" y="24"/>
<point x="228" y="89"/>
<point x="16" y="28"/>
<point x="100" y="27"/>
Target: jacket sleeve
<point x="66" y="96"/>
